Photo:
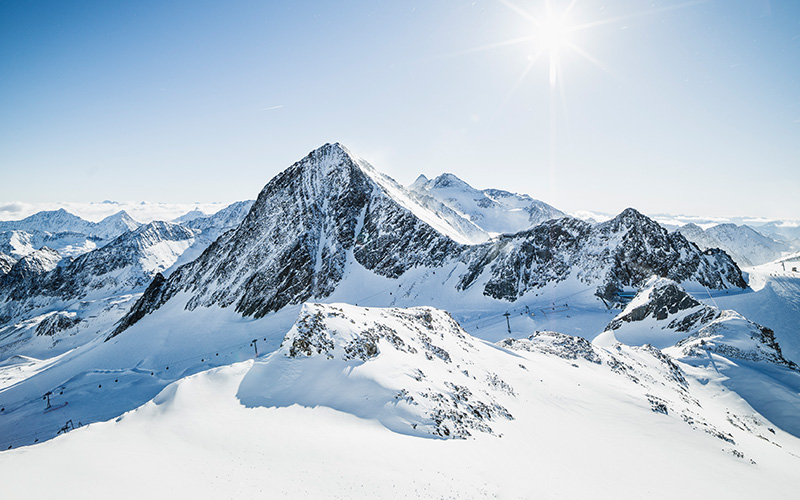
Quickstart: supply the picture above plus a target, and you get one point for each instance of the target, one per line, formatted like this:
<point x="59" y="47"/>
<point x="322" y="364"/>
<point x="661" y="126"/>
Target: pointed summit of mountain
<point x="115" y="225"/>
<point x="492" y="211"/>
<point x="331" y="213"/>
<point x="294" y="243"/>
<point x="420" y="181"/>
<point x="448" y="180"/>
<point x="189" y="216"/>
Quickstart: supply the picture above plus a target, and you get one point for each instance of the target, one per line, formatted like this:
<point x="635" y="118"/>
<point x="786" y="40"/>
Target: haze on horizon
<point x="669" y="107"/>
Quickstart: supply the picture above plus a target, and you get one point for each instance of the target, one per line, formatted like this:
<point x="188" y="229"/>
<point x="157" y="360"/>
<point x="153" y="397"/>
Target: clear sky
<point x="666" y="106"/>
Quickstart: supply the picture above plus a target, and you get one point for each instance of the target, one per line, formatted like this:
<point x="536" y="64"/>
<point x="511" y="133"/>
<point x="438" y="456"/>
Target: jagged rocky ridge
<point x="294" y="243"/>
<point x="696" y="328"/>
<point x="6" y="263"/>
<point x="414" y="370"/>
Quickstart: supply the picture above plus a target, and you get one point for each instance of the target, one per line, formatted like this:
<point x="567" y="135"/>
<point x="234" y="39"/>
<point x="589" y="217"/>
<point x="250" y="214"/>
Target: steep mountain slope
<point x="29" y="268"/>
<point x="745" y="245"/>
<point x="615" y="255"/>
<point x="493" y="210"/>
<point x="327" y="217"/>
<point x="295" y="240"/>
<point x="6" y="263"/>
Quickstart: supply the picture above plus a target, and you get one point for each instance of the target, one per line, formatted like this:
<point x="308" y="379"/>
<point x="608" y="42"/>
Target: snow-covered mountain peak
<point x="190" y="216"/>
<point x="34" y="264"/>
<point x="121" y="217"/>
<point x="115" y="225"/>
<point x="492" y="210"/>
<point x="630" y="218"/>
<point x="420" y="181"/>
<point x="51" y="221"/>
<point x="413" y="370"/>
<point x="448" y="180"/>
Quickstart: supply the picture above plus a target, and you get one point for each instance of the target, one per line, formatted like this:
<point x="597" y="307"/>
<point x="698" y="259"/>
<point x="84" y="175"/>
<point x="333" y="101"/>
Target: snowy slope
<point x="720" y="344"/>
<point x="331" y="413"/>
<point x="493" y="210"/>
<point x="773" y="300"/>
<point x="745" y="245"/>
<point x="381" y="383"/>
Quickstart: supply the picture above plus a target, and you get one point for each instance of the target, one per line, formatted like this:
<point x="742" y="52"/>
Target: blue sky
<point x="670" y="106"/>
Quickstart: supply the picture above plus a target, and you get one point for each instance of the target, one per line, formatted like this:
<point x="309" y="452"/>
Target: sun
<point x="553" y="32"/>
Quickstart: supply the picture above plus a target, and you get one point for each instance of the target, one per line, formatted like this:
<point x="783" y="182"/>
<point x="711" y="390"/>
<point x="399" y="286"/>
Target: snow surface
<point x="581" y="414"/>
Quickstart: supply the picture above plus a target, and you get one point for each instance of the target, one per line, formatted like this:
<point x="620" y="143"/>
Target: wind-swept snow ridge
<point x="414" y="370"/>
